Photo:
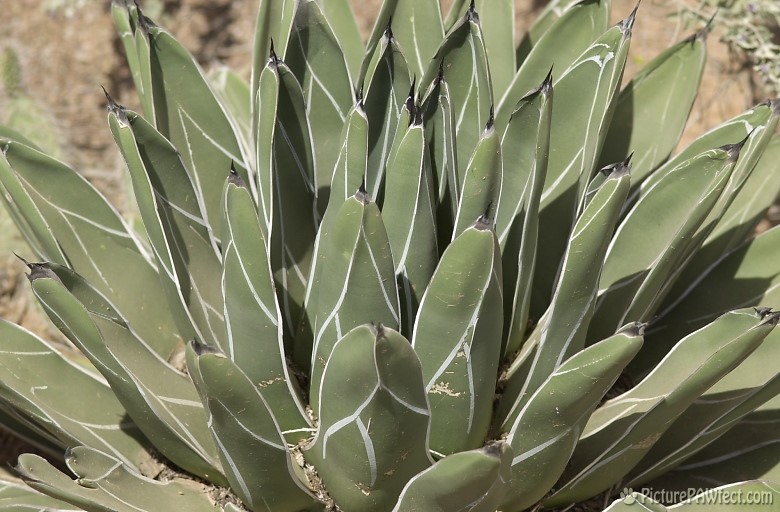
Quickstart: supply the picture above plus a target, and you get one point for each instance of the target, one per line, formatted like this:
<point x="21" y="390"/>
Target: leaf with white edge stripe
<point x="233" y="92"/>
<point x="553" y="10"/>
<point x="497" y="18"/>
<point x="624" y="429"/>
<point x="344" y="25"/>
<point x="417" y="27"/>
<point x="411" y="230"/>
<point x="356" y="282"/>
<point x="656" y="237"/>
<point x="374" y="419"/>
<point x="347" y="178"/>
<point x="742" y="391"/>
<point x="458" y="338"/>
<point x="481" y="185"/>
<point x="462" y="58"/>
<point x="103" y="483"/>
<point x="527" y="146"/>
<point x="254" y="323"/>
<point x="439" y="123"/>
<point x="386" y="84"/>
<point x="31" y="371"/>
<point x="661" y="94"/>
<point x="246" y="431"/>
<point x="562" y="331"/>
<point x="17" y="497"/>
<point x="188" y="114"/>
<point x="94" y="239"/>
<point x="564" y="41"/>
<point x="543" y="433"/>
<point x="317" y="60"/>
<point x="160" y="399"/>
<point x="472" y="481"/>
<point x="181" y="238"/>
<point x="750" y="274"/>
<point x="584" y="95"/>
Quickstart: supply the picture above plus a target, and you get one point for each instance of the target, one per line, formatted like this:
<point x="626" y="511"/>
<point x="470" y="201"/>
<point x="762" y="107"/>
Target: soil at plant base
<point x="67" y="53"/>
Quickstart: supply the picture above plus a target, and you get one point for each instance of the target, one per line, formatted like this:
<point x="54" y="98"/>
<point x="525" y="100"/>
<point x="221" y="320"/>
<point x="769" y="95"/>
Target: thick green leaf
<point x="497" y="18"/>
<point x="527" y="148"/>
<point x="458" y="338"/>
<point x="462" y="58"/>
<point x="562" y="330"/>
<point x="344" y="25"/>
<point x="386" y="84"/>
<point x="624" y="429"/>
<point x="17" y="497"/>
<point x="160" y="399"/>
<point x="652" y="109"/>
<point x="543" y="432"/>
<point x="553" y="11"/>
<point x="234" y="93"/>
<point x="749" y="275"/>
<point x="317" y="60"/>
<point x="584" y="96"/>
<point x="411" y="230"/>
<point x="104" y="484"/>
<point x="481" y="184"/>
<point x="439" y="122"/>
<point x="472" y="481"/>
<point x="749" y="450"/>
<point x="416" y="26"/>
<point x="182" y="240"/>
<point x="558" y="48"/>
<point x="742" y="391"/>
<point x="31" y="373"/>
<point x="733" y="130"/>
<point x="250" y="443"/>
<point x="374" y="419"/>
<point x="356" y="282"/>
<point x="254" y="339"/>
<point x="188" y="114"/>
<point x="92" y="237"/>
<point x="656" y="237"/>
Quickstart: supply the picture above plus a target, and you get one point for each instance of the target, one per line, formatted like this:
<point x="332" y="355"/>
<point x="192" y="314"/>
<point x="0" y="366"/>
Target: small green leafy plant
<point x="424" y="274"/>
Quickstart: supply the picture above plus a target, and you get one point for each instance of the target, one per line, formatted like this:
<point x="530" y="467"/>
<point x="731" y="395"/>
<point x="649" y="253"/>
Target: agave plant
<point x="422" y="274"/>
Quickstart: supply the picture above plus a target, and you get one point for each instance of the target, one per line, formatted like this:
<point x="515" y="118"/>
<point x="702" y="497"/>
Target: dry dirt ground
<point x="66" y="56"/>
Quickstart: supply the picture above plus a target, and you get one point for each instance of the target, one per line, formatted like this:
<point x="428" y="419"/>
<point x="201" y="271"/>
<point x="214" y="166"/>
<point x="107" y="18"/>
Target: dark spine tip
<point x="359" y="97"/>
<point x="41" y="271"/>
<point x="417" y="116"/>
<point x="628" y="24"/>
<point x="389" y="30"/>
<point x="440" y="75"/>
<point x="272" y="56"/>
<point x="491" y="122"/>
<point x="635" y="330"/>
<point x="378" y="329"/>
<point x="494" y="448"/>
<point x="485" y="222"/>
<point x="771" y="318"/>
<point x="471" y="14"/>
<point x="702" y="34"/>
<point x="547" y="84"/>
<point x="362" y="194"/>
<point x="734" y="150"/>
<point x="762" y="311"/>
<point x="201" y="348"/>
<point x="618" y="169"/>
<point x="234" y="178"/>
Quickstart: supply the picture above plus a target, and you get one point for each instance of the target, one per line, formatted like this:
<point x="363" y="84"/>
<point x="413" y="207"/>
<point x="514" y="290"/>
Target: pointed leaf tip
<point x="39" y="271"/>
<point x="628" y="24"/>
<point x="493" y="448"/>
<point x="491" y="119"/>
<point x="484" y="222"/>
<point x="234" y="178"/>
<point x="546" y="87"/>
<point x="361" y="194"/>
<point x="634" y="329"/>
<point x="771" y="318"/>
<point x="272" y="56"/>
<point x="774" y="105"/>
<point x="734" y="150"/>
<point x="440" y="75"/>
<point x="618" y="169"/>
<point x="702" y="34"/>
<point x="201" y="348"/>
<point x="389" y="30"/>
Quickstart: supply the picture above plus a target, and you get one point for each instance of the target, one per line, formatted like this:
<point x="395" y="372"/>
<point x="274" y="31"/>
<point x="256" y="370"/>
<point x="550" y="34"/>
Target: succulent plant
<point x="431" y="275"/>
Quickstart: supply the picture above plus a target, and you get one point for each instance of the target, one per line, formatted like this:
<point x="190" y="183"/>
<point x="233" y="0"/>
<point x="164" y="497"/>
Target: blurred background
<point x="56" y="54"/>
